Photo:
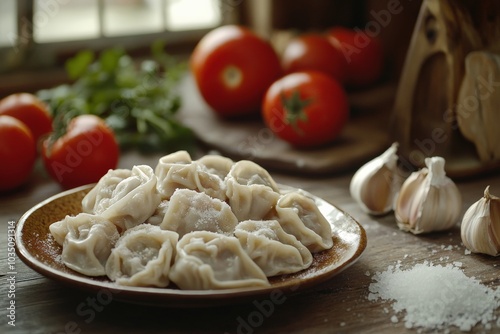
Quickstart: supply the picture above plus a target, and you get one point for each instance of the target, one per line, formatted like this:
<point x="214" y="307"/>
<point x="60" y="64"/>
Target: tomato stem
<point x="294" y="107"/>
<point x="232" y="76"/>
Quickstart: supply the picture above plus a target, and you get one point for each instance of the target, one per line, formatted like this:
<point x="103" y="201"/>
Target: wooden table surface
<point x="339" y="305"/>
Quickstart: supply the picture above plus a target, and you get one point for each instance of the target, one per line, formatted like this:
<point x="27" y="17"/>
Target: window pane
<point x="132" y="16"/>
<point x="65" y="20"/>
<point x="192" y="14"/>
<point x="8" y="25"/>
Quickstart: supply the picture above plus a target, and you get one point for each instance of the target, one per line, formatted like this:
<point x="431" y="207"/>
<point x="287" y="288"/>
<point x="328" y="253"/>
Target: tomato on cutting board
<point x="83" y="154"/>
<point x="363" y="53"/>
<point x="232" y="68"/>
<point x="30" y="110"/>
<point x="314" y="52"/>
<point x="306" y="109"/>
<point x="17" y="153"/>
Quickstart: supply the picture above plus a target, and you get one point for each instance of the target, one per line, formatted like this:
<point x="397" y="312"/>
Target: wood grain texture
<point x="424" y="114"/>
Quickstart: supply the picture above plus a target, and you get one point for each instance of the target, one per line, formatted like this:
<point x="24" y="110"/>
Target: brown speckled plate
<point x="37" y="248"/>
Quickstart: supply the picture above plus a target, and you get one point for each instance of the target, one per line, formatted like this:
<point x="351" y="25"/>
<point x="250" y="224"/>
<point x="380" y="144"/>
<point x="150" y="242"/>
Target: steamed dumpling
<point x="271" y="248"/>
<point x="216" y="164"/>
<point x="99" y="197"/>
<point x="87" y="241"/>
<point x="190" y="211"/>
<point x="125" y="197"/>
<point x="177" y="171"/>
<point x="299" y="215"/>
<point x="159" y="214"/>
<point x="142" y="257"/>
<point x="251" y="191"/>
<point x="207" y="260"/>
<point x="167" y="184"/>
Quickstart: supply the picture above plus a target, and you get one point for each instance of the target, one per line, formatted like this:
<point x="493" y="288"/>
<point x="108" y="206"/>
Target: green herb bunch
<point x="139" y="101"/>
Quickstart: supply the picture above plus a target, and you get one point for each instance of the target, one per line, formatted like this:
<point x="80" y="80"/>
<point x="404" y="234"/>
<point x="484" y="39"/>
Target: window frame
<point x="27" y="54"/>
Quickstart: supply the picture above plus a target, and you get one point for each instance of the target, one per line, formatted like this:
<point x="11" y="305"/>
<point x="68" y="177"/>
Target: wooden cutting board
<point x="364" y="137"/>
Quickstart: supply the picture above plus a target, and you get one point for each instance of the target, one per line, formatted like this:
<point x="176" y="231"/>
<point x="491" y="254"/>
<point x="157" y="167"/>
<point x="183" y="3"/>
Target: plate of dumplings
<point x="189" y="233"/>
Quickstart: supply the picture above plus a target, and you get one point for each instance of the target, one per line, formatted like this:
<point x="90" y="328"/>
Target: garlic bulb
<point x="428" y="200"/>
<point x="374" y="184"/>
<point x="480" y="228"/>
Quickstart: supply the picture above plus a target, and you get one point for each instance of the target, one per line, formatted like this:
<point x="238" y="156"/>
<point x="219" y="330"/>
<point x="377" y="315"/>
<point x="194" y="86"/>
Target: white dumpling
<point x="165" y="186"/>
<point x="159" y="214"/>
<point x="190" y="211"/>
<point x="142" y="257"/>
<point x="251" y="191"/>
<point x="59" y="229"/>
<point x="125" y="198"/>
<point x="216" y="164"/>
<point x="271" y="248"/>
<point x="299" y="215"/>
<point x="87" y="242"/>
<point x="207" y="260"/>
<point x="178" y="157"/>
<point x="98" y="199"/>
<point x="177" y="171"/>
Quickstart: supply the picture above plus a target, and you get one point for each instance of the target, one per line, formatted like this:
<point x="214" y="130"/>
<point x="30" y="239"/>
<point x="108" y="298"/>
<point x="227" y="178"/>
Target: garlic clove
<point x="406" y="207"/>
<point x="428" y="200"/>
<point x="480" y="229"/>
<point x="374" y="184"/>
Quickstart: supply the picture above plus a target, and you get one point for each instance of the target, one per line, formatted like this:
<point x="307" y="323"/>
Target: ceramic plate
<point x="37" y="248"/>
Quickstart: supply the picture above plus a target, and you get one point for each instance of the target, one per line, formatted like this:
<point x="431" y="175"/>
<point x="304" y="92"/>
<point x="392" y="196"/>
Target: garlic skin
<point x="374" y="184"/>
<point x="480" y="229"/>
<point x="428" y="200"/>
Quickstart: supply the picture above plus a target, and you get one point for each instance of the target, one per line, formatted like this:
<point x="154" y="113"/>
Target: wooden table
<point x="338" y="306"/>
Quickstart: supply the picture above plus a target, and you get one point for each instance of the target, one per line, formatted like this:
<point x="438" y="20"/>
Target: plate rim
<point x="191" y="298"/>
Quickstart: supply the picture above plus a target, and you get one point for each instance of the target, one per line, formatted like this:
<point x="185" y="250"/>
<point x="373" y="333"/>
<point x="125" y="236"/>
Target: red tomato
<point x="83" y="154"/>
<point x="306" y="108"/>
<point x="363" y="53"/>
<point x="314" y="52"/>
<point x="30" y="110"/>
<point x="232" y="68"/>
<point x="17" y="153"/>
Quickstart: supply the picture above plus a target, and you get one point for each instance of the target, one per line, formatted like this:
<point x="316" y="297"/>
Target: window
<point x="38" y="33"/>
<point x="8" y="27"/>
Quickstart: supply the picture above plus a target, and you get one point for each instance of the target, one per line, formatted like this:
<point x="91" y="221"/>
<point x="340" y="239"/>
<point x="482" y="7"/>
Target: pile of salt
<point x="435" y="296"/>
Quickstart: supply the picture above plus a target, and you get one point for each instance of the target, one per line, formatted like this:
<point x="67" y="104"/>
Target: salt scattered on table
<point x="436" y="296"/>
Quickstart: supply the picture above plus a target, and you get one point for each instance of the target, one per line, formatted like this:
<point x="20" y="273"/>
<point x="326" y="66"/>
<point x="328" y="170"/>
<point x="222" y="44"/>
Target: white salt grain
<point x="435" y="296"/>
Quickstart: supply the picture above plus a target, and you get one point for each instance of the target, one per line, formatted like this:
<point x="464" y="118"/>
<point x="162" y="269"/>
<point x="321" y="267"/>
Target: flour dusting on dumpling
<point x="178" y="171"/>
<point x="207" y="260"/>
<point x="87" y="241"/>
<point x="251" y="191"/>
<point x="299" y="215"/>
<point x="190" y="211"/>
<point x="275" y="251"/>
<point x="125" y="198"/>
<point x="142" y="257"/>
